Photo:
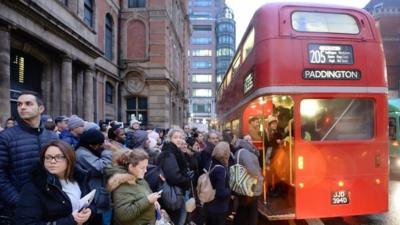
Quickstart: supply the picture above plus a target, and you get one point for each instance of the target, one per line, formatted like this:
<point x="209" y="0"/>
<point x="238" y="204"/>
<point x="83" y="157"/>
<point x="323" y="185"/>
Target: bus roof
<point x="394" y="105"/>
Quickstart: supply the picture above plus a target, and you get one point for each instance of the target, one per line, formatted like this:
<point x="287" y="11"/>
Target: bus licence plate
<point x="340" y="197"/>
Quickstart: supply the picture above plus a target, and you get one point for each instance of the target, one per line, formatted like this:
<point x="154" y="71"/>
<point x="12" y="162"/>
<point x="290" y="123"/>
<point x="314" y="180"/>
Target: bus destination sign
<point x="330" y="54"/>
<point x="321" y="74"/>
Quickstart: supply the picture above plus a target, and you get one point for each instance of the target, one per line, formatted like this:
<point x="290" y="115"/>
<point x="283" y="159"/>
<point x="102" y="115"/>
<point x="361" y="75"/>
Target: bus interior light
<point x="300" y="162"/>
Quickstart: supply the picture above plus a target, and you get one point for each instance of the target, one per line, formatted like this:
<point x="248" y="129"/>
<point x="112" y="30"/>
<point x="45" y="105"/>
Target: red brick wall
<point x="136" y="40"/>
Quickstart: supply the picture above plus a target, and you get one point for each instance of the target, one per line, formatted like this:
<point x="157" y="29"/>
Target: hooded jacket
<point x="249" y="159"/>
<point x="19" y="151"/>
<point x="42" y="200"/>
<point x="131" y="206"/>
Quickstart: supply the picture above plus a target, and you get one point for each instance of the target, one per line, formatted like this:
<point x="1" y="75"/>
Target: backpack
<point x="205" y="190"/>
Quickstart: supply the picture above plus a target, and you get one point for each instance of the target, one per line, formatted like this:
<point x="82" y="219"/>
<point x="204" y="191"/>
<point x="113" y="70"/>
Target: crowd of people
<point x="47" y="165"/>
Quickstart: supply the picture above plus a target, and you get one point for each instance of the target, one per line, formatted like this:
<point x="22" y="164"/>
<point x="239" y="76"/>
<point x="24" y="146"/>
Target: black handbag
<point x="171" y="197"/>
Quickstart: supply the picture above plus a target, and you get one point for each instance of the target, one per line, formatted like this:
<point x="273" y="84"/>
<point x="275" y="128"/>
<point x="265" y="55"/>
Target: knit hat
<point x="138" y="139"/>
<point x="75" y="121"/>
<point x="60" y="119"/>
<point x="91" y="137"/>
<point x="91" y="125"/>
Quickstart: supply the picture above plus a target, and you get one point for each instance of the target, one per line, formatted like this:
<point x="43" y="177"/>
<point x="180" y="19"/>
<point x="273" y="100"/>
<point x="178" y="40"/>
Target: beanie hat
<point x="190" y="141"/>
<point x="91" y="137"/>
<point x="91" y="125"/>
<point x="75" y="121"/>
<point x="138" y="139"/>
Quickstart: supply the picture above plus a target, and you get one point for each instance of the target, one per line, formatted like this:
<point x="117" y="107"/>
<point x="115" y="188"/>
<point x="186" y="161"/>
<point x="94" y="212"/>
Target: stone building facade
<point x="387" y="17"/>
<point x="94" y="57"/>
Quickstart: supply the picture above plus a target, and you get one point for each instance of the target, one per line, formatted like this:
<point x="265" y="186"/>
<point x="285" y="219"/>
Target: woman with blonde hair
<point x="134" y="202"/>
<point x="217" y="209"/>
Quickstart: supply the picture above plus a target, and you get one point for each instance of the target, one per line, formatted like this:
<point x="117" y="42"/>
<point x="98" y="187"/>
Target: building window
<point x="225" y="40"/>
<point x="136" y="4"/>
<point x="136" y="108"/>
<point x="201" y="93"/>
<point x="201" y="40"/>
<point x="200" y="3"/>
<point x="225" y="52"/>
<point x="109" y="37"/>
<point x="109" y="92"/>
<point x="202" y="28"/>
<point x="202" y="108"/>
<point x="200" y="16"/>
<point x="225" y="27"/>
<point x="201" y="65"/>
<point x="202" y="52"/>
<point x="201" y="78"/>
<point x="88" y="12"/>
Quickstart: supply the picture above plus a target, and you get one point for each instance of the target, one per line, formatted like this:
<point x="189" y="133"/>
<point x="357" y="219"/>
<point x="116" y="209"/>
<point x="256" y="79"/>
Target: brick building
<point x="387" y="17"/>
<point x="100" y="59"/>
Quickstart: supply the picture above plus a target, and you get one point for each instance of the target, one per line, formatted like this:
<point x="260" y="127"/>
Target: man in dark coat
<point x="19" y="150"/>
<point x="205" y="155"/>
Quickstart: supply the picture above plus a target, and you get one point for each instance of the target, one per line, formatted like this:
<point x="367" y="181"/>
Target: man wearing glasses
<point x="19" y="150"/>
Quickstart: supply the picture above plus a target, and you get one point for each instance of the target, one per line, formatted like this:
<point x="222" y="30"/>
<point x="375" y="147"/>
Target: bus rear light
<point x="341" y="183"/>
<point x="300" y="162"/>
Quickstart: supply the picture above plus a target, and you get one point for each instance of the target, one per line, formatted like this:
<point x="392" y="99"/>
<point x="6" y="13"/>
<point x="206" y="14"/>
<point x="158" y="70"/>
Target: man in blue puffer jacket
<point x="19" y="150"/>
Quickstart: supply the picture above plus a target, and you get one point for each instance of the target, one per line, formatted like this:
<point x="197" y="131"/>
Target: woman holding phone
<point x="56" y="186"/>
<point x="134" y="202"/>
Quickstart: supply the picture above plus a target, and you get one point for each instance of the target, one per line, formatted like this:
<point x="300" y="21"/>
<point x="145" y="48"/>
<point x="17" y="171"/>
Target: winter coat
<point x="249" y="159"/>
<point x="43" y="200"/>
<point x="205" y="156"/>
<point x="95" y="165"/>
<point x="219" y="178"/>
<point x="68" y="137"/>
<point x="174" y="166"/>
<point x="19" y="151"/>
<point x="131" y="206"/>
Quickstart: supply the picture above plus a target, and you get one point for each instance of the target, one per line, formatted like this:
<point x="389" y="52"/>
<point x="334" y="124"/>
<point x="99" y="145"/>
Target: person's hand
<point x="153" y="197"/>
<point x="82" y="216"/>
<point x="157" y="205"/>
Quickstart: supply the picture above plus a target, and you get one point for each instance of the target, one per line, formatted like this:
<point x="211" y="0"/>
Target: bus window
<point x="337" y="119"/>
<point x="392" y="128"/>
<point x="324" y="22"/>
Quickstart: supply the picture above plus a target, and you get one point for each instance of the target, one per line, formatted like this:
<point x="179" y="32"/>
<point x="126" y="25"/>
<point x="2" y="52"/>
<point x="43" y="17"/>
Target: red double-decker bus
<point x="308" y="85"/>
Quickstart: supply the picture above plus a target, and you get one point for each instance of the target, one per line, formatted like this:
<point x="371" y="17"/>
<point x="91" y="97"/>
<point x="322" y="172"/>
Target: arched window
<point x="136" y="3"/>
<point x="88" y="12"/>
<point x="109" y="37"/>
<point x="109" y="92"/>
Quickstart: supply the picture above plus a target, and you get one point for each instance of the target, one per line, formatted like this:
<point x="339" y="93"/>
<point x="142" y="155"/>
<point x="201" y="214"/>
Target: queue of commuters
<point x="47" y="166"/>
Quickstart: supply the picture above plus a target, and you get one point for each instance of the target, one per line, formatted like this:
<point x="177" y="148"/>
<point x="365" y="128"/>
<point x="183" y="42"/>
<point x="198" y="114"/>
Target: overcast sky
<point x="244" y="10"/>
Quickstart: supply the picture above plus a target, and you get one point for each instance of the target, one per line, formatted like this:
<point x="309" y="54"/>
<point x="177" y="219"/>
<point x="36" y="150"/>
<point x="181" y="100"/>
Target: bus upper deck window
<point x="324" y="22"/>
